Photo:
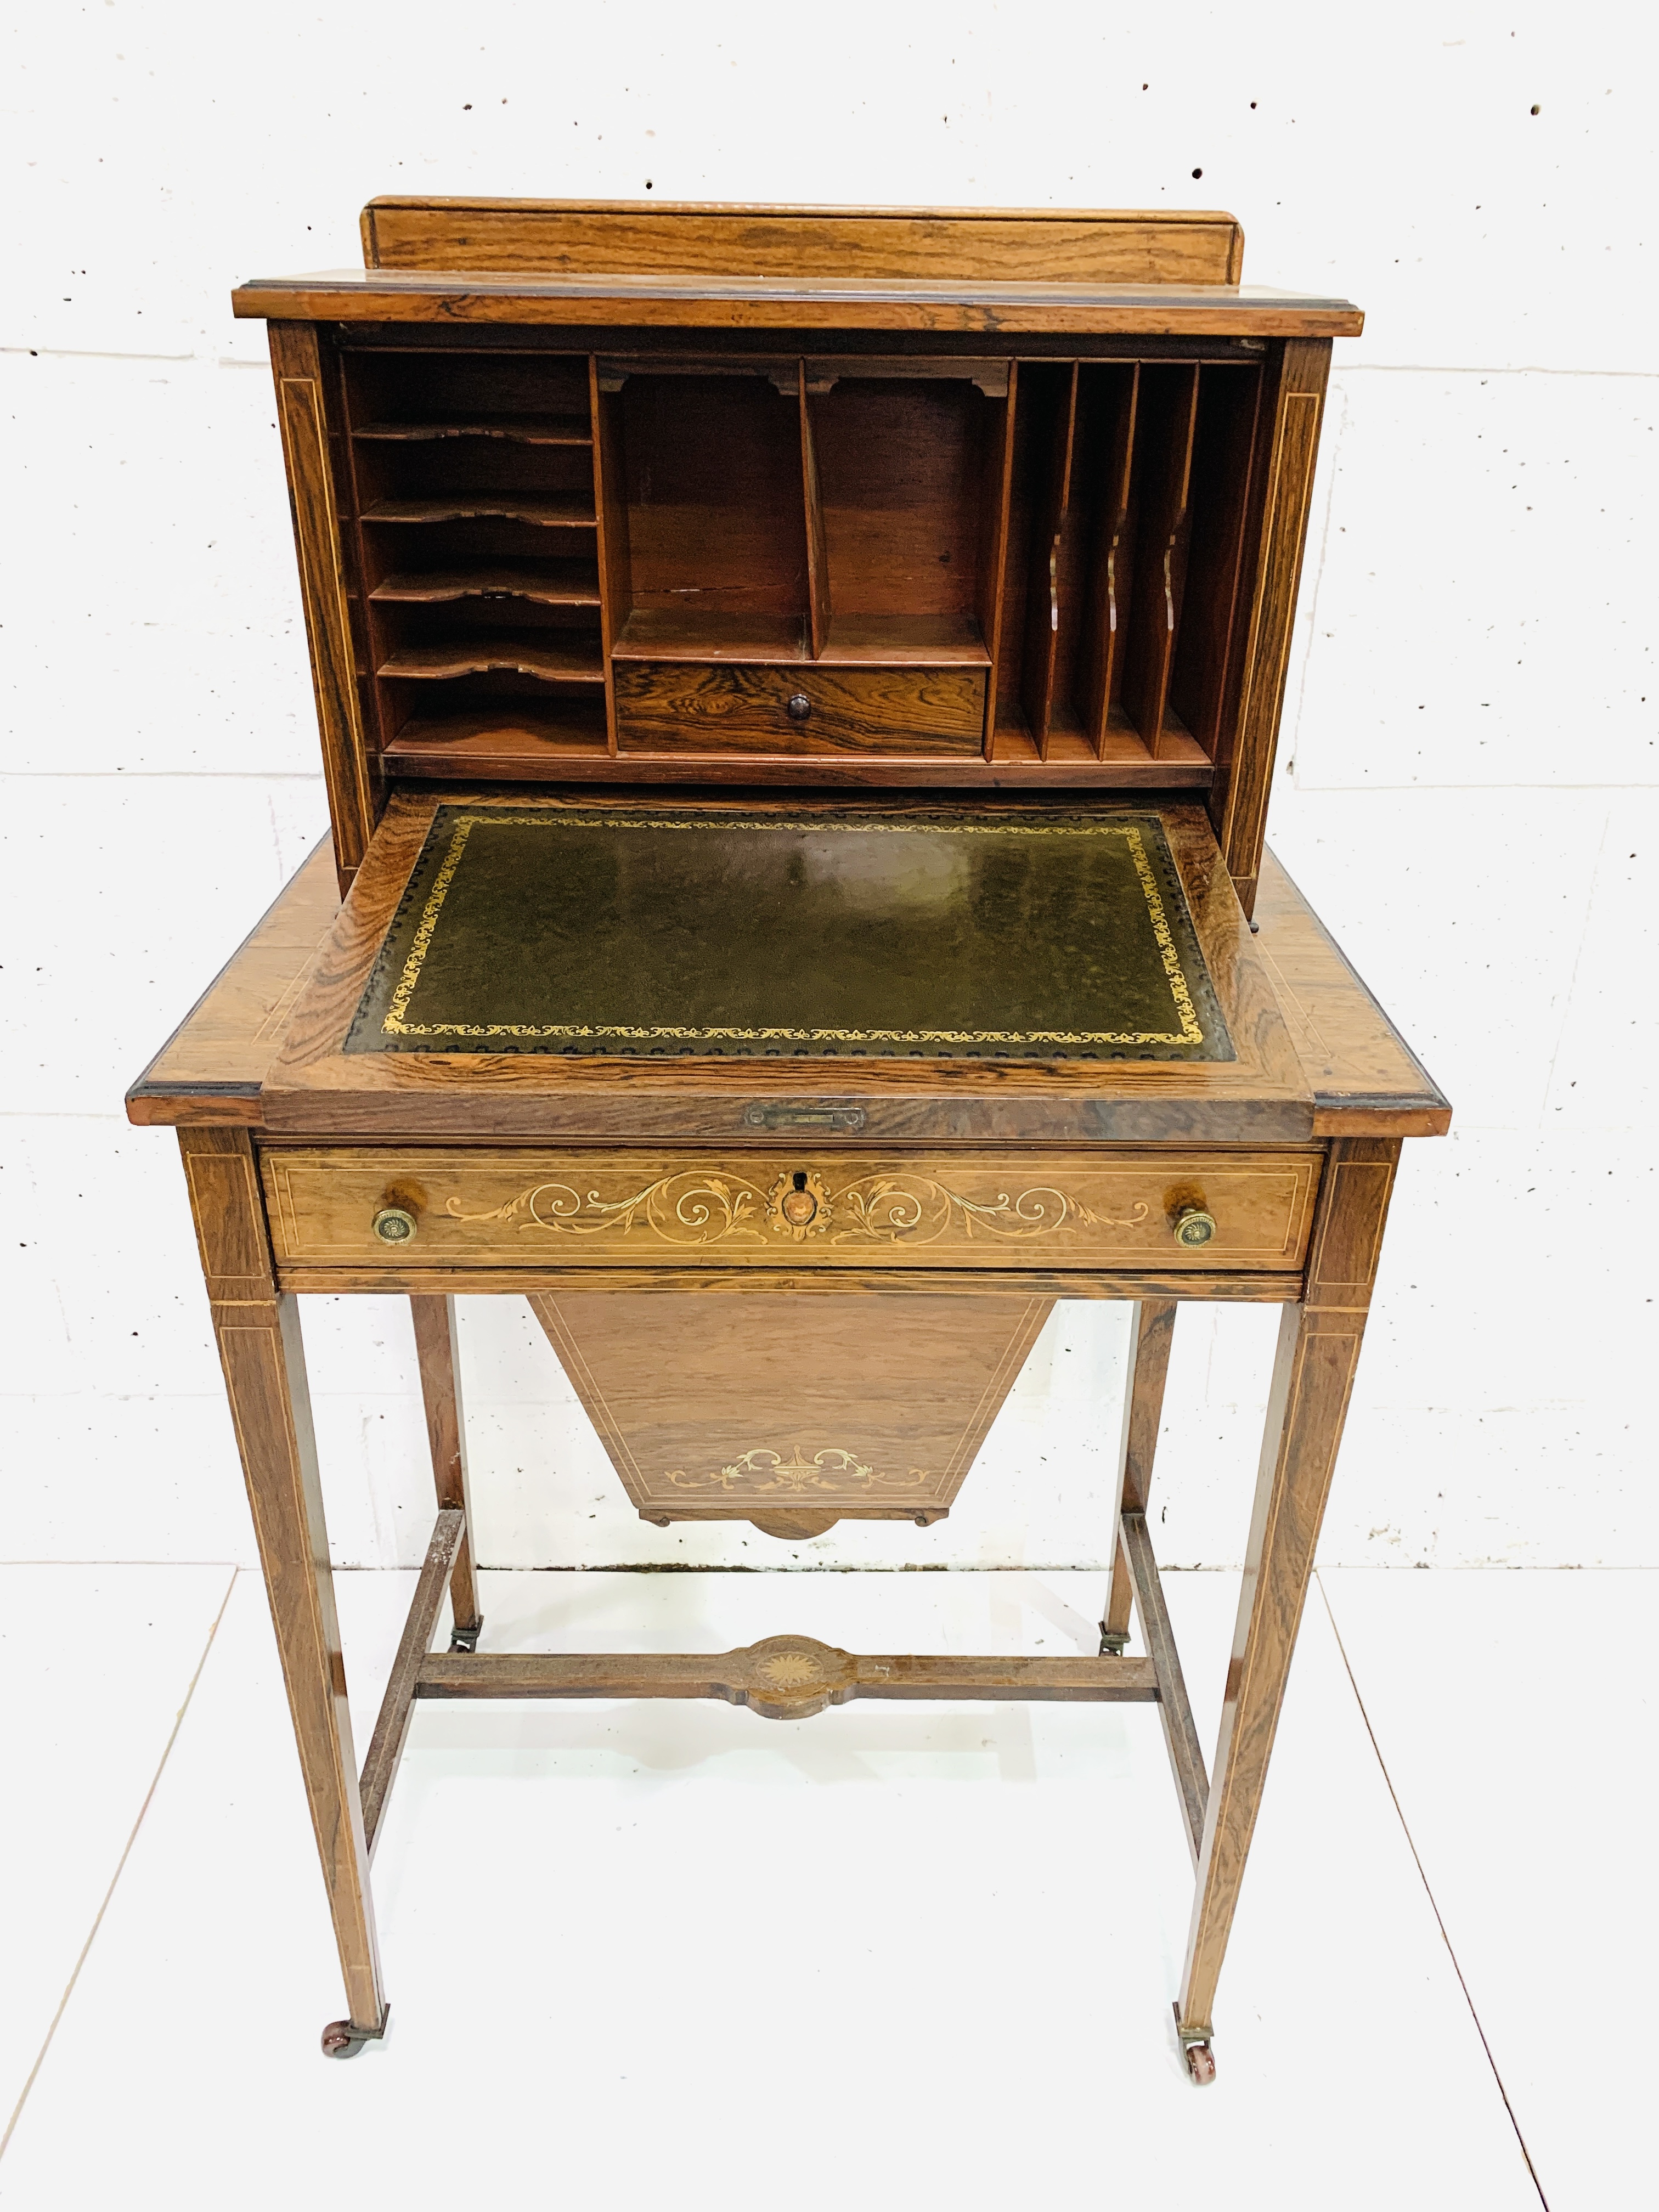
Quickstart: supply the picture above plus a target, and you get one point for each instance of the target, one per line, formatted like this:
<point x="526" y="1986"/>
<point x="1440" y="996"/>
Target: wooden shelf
<point x="547" y="510"/>
<point x="520" y="753"/>
<point x="906" y="641"/>
<point x="527" y="430"/>
<point x="500" y="744"/>
<point x="670" y="634"/>
<point x="550" y="664"/>
<point x="1013" y="745"/>
<point x="854" y="641"/>
<point x="438" y="589"/>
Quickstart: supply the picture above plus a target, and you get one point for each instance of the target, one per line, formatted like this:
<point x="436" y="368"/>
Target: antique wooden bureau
<point x="797" y="691"/>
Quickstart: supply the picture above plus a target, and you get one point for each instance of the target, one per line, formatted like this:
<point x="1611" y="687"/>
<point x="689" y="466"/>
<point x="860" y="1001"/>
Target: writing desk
<point x="796" y="906"/>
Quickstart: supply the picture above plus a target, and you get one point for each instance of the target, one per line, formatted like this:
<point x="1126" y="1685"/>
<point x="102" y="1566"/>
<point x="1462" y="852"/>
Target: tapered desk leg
<point x="440" y="1387"/>
<point x="1152" y="1328"/>
<point x="1313" y="1375"/>
<point x="257" y="1330"/>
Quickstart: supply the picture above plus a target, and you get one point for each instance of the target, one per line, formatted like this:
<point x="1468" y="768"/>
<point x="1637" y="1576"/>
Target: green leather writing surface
<point x="903" y="935"/>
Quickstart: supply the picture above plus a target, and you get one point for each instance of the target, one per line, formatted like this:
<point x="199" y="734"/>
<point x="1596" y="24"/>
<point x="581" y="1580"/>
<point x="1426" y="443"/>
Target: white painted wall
<point x="1468" y="769"/>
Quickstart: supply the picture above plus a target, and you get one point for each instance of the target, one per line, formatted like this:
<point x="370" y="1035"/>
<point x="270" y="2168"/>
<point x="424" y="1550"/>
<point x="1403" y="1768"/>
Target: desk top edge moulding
<point x="797" y="691"/>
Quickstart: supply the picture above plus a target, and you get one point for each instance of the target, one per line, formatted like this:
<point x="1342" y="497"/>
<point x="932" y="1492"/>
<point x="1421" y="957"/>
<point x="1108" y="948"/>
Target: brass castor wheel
<point x="465" y="1639"/>
<point x="342" y="2039"/>
<point x="1195" y="2049"/>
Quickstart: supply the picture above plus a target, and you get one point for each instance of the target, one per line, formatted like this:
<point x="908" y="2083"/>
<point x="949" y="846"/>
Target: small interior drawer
<point x="806" y="706"/>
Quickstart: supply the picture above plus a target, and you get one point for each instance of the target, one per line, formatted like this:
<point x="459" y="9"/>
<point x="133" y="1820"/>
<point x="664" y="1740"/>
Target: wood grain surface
<point x="610" y="538"/>
<point x="302" y="415"/>
<point x="385" y="1747"/>
<point x="587" y="238"/>
<point x="786" y="1678"/>
<point x="1151" y="1335"/>
<point x="818" y="549"/>
<point x="1111" y="402"/>
<point x="1154" y="1337"/>
<point x="1167" y="426"/>
<point x="991" y="569"/>
<point x="1180" y="1732"/>
<point x="543" y="511"/>
<point x="211" y="1067"/>
<point x="517" y="744"/>
<point x="574" y="589"/>
<point x="1281" y="494"/>
<point x="1019" y="500"/>
<point x="1203" y="692"/>
<point x="1361" y="1071"/>
<point x="1313" y="1376"/>
<point x="834" y="498"/>
<point x="552" y="735"/>
<point x="1259" y="1097"/>
<point x="790" y="1413"/>
<point x="477" y="1206"/>
<point x="530" y="430"/>
<point x="438" y="1352"/>
<point x="802" y="312"/>
<point x="551" y="663"/>
<point x="408" y="1278"/>
<point x="1057" y="442"/>
<point x="256" y="1329"/>
<point x="670" y="707"/>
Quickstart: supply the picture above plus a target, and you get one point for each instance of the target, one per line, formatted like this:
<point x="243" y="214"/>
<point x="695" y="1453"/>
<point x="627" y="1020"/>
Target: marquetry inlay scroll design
<point x="764" y="1472"/>
<point x="694" y="1208"/>
<point x="886" y="1208"/>
<point x="688" y="1208"/>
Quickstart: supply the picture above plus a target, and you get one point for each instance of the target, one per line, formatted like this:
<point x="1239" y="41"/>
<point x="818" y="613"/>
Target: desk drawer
<point x="805" y="1207"/>
<point x="676" y="707"/>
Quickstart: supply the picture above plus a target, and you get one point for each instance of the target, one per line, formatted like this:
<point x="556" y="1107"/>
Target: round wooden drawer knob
<point x="1194" y="1227"/>
<point x="394" y="1224"/>
<point x="797" y="707"/>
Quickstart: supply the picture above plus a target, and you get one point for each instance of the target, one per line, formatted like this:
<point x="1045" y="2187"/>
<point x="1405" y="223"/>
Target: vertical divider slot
<point x="369" y="640"/>
<point x="1109" y="397"/>
<point x="1043" y="588"/>
<point x="996" y="491"/>
<point x="1228" y="407"/>
<point x="818" y="549"/>
<point x="610" y="507"/>
<point x="1167" y="423"/>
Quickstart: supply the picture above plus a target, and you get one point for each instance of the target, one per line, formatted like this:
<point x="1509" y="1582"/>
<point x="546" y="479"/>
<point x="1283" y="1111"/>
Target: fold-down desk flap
<point x="1004" y="971"/>
<point x="668" y="933"/>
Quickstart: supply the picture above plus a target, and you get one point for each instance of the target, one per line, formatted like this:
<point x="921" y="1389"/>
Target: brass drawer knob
<point x="394" y="1224"/>
<point x="1194" y="1227"/>
<point x="797" y="707"/>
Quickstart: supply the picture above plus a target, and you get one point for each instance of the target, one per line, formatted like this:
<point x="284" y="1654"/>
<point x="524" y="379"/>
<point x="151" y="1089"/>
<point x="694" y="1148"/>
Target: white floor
<point x="640" y="1954"/>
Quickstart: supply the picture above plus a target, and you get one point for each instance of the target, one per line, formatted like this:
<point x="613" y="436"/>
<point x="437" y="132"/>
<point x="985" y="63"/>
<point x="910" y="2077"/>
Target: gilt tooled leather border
<point x="427" y="891"/>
